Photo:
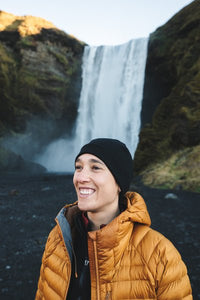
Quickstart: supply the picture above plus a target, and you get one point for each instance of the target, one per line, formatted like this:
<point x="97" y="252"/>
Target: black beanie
<point x="116" y="157"/>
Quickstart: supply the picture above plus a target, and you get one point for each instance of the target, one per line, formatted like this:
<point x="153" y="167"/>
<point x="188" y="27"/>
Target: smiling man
<point x="102" y="246"/>
<point x="97" y="190"/>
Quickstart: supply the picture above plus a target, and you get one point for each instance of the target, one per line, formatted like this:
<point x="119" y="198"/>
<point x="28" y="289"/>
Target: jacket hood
<point x="136" y="209"/>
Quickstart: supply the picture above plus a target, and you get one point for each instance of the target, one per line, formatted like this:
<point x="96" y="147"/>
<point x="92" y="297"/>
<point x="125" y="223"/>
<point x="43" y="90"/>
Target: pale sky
<point x="100" y="22"/>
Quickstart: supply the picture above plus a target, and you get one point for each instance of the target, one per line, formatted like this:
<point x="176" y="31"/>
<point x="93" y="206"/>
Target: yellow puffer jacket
<point x="128" y="259"/>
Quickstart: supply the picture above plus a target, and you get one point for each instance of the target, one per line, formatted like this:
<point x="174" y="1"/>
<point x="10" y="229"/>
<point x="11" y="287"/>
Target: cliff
<point x="40" y="80"/>
<point x="171" y="104"/>
<point x="40" y="74"/>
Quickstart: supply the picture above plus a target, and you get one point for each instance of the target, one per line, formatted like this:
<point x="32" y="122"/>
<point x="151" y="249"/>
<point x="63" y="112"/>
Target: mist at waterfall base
<point x="110" y="102"/>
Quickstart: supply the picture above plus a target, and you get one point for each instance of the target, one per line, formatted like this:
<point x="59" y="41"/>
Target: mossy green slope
<point x="40" y="72"/>
<point x="172" y="90"/>
<point x="180" y="171"/>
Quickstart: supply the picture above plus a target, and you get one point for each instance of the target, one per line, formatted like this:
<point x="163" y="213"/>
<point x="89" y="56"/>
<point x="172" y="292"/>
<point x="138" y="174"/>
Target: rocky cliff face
<point x="171" y="106"/>
<point x="40" y="82"/>
<point x="40" y="74"/>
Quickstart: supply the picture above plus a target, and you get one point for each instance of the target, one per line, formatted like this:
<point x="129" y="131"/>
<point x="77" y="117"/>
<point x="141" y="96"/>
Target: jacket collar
<point x="112" y="240"/>
<point x="136" y="212"/>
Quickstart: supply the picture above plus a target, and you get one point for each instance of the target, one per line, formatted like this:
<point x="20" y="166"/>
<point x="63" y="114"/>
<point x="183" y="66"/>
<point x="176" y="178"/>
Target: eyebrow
<point x="91" y="160"/>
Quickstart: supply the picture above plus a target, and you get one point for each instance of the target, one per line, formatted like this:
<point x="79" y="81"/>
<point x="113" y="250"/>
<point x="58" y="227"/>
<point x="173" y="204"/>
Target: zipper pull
<point x="108" y="296"/>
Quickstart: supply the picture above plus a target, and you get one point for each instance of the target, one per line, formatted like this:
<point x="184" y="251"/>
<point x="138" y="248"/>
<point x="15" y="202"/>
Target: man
<point x="102" y="246"/>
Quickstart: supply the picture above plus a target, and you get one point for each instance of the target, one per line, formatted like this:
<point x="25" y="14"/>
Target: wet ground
<point x="29" y="204"/>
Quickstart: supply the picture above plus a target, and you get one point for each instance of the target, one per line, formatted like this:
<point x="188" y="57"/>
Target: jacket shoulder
<point x="150" y="242"/>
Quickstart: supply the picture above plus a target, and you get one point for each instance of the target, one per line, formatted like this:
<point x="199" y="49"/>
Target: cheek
<point x="109" y="185"/>
<point x="74" y="180"/>
<point x="115" y="189"/>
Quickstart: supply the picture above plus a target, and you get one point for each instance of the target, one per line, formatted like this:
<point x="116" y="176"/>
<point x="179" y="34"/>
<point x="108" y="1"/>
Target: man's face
<point x="95" y="185"/>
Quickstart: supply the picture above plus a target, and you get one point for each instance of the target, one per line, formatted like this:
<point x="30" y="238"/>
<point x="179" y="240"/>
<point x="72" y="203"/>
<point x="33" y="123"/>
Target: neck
<point x="101" y="218"/>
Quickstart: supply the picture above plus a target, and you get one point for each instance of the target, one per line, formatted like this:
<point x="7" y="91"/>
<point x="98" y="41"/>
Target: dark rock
<point x="171" y="196"/>
<point x="10" y="161"/>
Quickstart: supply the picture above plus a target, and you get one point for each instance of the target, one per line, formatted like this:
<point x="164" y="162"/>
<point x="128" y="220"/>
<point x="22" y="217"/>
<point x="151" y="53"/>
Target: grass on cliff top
<point x="181" y="170"/>
<point x="25" y="25"/>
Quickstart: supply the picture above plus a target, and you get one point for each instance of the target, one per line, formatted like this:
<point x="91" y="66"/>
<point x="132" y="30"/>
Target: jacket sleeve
<point x="39" y="292"/>
<point x="48" y="249"/>
<point x="172" y="278"/>
<point x="55" y="270"/>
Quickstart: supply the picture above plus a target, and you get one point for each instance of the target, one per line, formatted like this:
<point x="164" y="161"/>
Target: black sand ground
<point x="28" y="205"/>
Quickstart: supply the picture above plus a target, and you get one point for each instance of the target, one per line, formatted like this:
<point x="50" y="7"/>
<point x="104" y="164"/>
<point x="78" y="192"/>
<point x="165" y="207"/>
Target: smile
<point x="86" y="191"/>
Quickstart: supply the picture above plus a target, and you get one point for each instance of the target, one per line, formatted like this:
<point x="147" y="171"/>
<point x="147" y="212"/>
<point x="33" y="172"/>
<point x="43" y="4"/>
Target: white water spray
<point x="110" y="101"/>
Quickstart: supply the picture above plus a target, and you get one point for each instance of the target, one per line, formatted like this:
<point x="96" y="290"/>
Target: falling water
<point x="112" y="91"/>
<point x="110" y="101"/>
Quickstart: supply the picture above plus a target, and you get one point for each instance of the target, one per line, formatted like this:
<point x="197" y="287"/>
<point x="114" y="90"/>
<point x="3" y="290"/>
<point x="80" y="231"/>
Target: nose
<point x="82" y="175"/>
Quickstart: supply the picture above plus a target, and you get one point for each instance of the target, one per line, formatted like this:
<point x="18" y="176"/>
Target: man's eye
<point x="77" y="167"/>
<point x="95" y="168"/>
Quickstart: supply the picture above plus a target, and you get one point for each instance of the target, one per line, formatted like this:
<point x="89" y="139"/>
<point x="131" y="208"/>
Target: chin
<point x="81" y="206"/>
<point x="85" y="207"/>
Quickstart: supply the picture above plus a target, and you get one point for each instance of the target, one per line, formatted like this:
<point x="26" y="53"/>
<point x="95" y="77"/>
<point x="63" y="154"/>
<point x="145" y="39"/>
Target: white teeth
<point x="86" y="191"/>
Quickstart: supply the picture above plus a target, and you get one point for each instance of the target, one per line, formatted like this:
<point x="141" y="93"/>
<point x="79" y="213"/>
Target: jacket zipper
<point x="97" y="270"/>
<point x="75" y="261"/>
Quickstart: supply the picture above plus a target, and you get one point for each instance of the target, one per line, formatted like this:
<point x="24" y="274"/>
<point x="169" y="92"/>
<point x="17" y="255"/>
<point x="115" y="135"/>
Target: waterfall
<point x="110" y="101"/>
<point x="112" y="91"/>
